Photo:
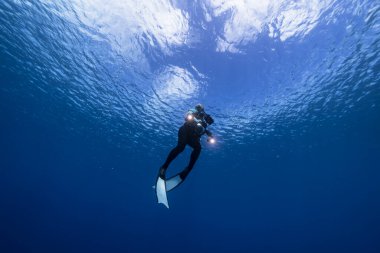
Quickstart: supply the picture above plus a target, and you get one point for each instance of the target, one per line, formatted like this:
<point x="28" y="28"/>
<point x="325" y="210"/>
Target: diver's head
<point x="199" y="108"/>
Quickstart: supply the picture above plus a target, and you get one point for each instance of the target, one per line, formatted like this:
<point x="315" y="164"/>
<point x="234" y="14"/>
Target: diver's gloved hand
<point x="209" y="119"/>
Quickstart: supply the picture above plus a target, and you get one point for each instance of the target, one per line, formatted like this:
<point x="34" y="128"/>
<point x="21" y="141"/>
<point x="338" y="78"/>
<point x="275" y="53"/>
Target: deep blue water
<point x="92" y="94"/>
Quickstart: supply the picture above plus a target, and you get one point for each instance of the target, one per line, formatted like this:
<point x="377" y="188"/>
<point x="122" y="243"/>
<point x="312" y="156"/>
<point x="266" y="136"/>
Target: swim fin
<point x="161" y="192"/>
<point x="173" y="182"/>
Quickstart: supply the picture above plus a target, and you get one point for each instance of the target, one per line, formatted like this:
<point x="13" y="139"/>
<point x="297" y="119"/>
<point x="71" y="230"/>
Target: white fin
<point x="171" y="183"/>
<point x="161" y="192"/>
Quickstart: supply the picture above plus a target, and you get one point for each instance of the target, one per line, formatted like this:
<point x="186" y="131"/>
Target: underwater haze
<point x="92" y="93"/>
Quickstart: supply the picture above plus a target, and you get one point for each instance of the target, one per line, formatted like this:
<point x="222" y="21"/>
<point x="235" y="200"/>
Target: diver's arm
<point x="209" y="120"/>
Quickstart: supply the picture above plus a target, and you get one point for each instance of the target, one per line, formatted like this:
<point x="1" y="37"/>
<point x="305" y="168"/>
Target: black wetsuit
<point x="189" y="134"/>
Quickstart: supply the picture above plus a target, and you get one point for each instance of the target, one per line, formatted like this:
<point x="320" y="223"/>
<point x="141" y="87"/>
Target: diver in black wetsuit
<point x="196" y="122"/>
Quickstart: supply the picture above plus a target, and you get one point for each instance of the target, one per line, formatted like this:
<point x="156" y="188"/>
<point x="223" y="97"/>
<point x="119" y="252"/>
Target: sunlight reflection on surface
<point x="248" y="19"/>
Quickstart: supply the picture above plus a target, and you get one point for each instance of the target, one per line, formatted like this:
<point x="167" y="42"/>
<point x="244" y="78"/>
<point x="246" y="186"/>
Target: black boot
<point x="162" y="172"/>
<point x="184" y="173"/>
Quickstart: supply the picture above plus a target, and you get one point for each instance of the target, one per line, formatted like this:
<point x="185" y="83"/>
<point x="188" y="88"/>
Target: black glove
<point x="209" y="120"/>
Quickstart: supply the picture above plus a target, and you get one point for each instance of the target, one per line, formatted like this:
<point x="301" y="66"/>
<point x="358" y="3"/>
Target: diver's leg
<point x="196" y="145"/>
<point x="175" y="151"/>
<point x="176" y="180"/>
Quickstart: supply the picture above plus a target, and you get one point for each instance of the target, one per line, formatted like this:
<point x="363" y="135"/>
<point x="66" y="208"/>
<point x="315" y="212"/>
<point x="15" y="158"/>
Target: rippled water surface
<point x="92" y="94"/>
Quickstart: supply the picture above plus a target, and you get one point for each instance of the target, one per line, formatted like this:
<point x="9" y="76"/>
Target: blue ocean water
<point x="92" y="94"/>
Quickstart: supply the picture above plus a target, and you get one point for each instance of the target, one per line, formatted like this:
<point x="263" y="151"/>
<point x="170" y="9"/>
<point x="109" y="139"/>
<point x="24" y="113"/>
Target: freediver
<point x="195" y="125"/>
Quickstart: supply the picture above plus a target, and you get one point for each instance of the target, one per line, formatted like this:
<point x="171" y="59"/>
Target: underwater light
<point x="189" y="117"/>
<point x="212" y="140"/>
